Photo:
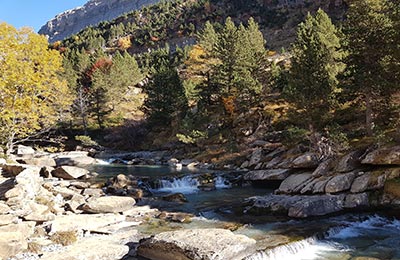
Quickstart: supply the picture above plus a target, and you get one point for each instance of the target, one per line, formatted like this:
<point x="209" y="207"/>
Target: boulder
<point x="120" y="181"/>
<point x="69" y="172"/>
<point x="360" y="184"/>
<point x="256" y="157"/>
<point x="315" y="186"/>
<point x="197" y="244"/>
<point x="349" y="162"/>
<point x="87" y="222"/>
<point x="383" y="156"/>
<point x="323" y="168"/>
<point x="8" y="219"/>
<point x="266" y="175"/>
<point x="25" y="150"/>
<point x="297" y="206"/>
<point x="295" y="183"/>
<point x="74" y="159"/>
<point x="40" y="161"/>
<point x="340" y="183"/>
<point x="91" y="248"/>
<point x="13" y="238"/>
<point x="306" y="161"/>
<point x="316" y="206"/>
<point x="93" y="192"/>
<point x="109" y="204"/>
<point x="356" y="200"/>
<point x="4" y="208"/>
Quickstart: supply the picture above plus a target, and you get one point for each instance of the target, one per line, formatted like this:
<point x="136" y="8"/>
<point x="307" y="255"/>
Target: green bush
<point x="85" y="140"/>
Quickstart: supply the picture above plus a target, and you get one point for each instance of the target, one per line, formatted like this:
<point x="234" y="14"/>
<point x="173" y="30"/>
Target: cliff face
<point x="93" y="12"/>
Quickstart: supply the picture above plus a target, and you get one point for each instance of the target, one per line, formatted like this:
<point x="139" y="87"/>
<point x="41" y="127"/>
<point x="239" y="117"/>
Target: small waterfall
<point x="186" y="185"/>
<point x="307" y="249"/>
<point x="221" y="183"/>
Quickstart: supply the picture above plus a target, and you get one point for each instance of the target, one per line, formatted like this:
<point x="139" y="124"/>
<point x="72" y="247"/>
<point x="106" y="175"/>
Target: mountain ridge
<point x="93" y="12"/>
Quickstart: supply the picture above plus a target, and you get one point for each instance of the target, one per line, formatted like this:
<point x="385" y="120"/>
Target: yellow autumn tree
<point x="32" y="96"/>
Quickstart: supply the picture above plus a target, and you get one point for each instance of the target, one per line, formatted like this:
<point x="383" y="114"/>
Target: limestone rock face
<point x="197" y="244"/>
<point x="93" y="12"/>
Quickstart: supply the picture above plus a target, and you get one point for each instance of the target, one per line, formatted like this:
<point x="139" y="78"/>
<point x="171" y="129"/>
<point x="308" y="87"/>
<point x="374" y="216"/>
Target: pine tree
<point x="316" y="63"/>
<point x="368" y="30"/>
<point x="166" y="98"/>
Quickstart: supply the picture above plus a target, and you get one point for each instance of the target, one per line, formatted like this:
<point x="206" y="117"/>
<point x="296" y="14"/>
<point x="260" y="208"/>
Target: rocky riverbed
<point x="52" y="207"/>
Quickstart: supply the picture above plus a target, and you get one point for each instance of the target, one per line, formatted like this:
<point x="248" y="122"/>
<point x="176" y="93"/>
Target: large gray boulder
<point x="267" y="175"/>
<point x="384" y="156"/>
<point x="349" y="162"/>
<point x="306" y="161"/>
<point x="323" y="168"/>
<point x="43" y="161"/>
<point x="295" y="183"/>
<point x="197" y="244"/>
<point x="316" y="206"/>
<point x="298" y="206"/>
<point x="356" y="200"/>
<point x="256" y="157"/>
<point x="74" y="158"/>
<point x="69" y="172"/>
<point x="360" y="184"/>
<point x="108" y="204"/>
<point x="340" y="183"/>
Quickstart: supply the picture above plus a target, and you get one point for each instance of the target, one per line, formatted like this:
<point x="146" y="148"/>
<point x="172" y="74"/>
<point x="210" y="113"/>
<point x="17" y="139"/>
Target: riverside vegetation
<point x="319" y="122"/>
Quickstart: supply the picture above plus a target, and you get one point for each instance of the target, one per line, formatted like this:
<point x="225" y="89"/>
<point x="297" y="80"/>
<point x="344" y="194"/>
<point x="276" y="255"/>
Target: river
<point x="349" y="236"/>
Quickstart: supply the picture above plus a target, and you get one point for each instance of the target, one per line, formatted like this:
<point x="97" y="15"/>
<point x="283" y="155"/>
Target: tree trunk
<point x="10" y="145"/>
<point x="369" y="121"/>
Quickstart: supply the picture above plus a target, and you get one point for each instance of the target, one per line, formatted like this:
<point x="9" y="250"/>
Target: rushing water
<point x="335" y="238"/>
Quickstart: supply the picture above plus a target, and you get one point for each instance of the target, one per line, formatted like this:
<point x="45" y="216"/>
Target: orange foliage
<point x="229" y="104"/>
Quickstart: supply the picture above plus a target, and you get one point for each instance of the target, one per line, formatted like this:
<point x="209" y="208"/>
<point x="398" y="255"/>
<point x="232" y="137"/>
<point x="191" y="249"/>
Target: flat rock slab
<point x="69" y="172"/>
<point x="267" y="175"/>
<point x="197" y="244"/>
<point x="108" y="204"/>
<point x="295" y="183"/>
<point x="92" y="248"/>
<point x="84" y="222"/>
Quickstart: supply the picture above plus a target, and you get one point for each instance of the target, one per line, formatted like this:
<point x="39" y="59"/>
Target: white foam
<point x="221" y="183"/>
<point x="185" y="185"/>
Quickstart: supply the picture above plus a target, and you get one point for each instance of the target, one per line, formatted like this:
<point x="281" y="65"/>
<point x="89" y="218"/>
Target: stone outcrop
<point x="267" y="175"/>
<point x="93" y="12"/>
<point x="69" y="172"/>
<point x="383" y="156"/>
<point x="197" y="244"/>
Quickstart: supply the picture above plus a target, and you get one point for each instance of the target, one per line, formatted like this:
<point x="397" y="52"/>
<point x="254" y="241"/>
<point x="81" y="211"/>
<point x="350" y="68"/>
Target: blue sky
<point x="34" y="13"/>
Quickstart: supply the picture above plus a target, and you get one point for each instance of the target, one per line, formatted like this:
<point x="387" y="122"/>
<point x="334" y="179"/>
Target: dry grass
<point x="64" y="238"/>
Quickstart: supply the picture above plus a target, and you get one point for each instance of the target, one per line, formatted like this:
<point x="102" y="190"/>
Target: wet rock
<point x="179" y="217"/>
<point x="316" y="206"/>
<point x="208" y="186"/>
<point x="272" y="174"/>
<point x="349" y="162"/>
<point x="356" y="200"/>
<point x="306" y="161"/>
<point x="109" y="204"/>
<point x="294" y="183"/>
<point x="297" y="206"/>
<point x="340" y="183"/>
<point x="69" y="172"/>
<point x="176" y="197"/>
<point x="383" y="156"/>
<point x="197" y="244"/>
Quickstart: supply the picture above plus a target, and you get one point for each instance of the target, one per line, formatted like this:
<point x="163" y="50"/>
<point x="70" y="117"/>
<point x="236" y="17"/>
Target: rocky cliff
<point x="93" y="12"/>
